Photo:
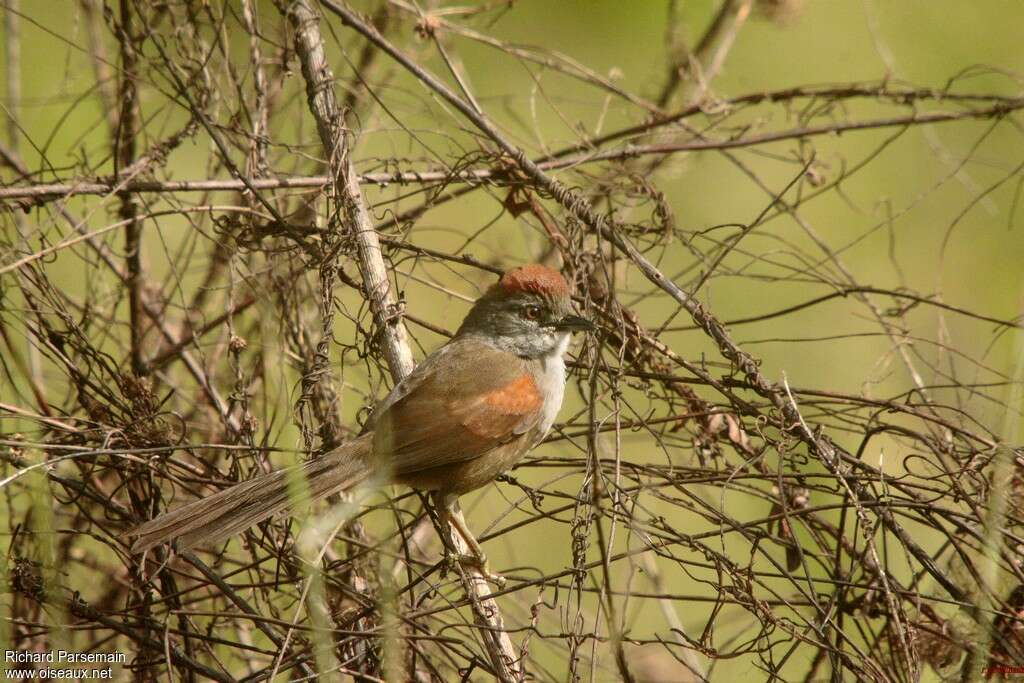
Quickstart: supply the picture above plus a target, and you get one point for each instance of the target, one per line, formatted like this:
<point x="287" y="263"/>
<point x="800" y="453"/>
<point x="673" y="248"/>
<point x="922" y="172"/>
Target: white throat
<point x="553" y="380"/>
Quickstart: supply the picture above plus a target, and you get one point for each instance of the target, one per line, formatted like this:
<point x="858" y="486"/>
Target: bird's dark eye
<point x="531" y="311"/>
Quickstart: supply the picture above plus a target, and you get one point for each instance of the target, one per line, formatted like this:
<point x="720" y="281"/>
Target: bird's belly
<point x="463" y="477"/>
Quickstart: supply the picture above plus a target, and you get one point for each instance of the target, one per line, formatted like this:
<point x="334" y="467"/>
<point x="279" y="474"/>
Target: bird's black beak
<point x="573" y="323"/>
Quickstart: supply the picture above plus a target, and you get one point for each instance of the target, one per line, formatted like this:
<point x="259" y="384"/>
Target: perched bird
<point x="466" y="414"/>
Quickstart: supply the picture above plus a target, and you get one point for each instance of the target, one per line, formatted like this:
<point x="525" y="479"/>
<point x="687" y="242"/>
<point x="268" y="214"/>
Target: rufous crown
<point x="536" y="279"/>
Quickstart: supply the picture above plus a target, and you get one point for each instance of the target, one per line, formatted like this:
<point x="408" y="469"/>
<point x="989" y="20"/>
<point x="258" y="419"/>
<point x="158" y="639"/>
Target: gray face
<point x="529" y="325"/>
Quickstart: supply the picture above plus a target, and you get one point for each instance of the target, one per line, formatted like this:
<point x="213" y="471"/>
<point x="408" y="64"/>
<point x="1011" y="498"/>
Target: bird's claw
<point x="478" y="563"/>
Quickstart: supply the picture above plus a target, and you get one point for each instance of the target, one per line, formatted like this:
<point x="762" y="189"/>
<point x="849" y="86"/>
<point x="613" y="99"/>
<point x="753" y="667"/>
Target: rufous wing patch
<point x="518" y="397"/>
<point x="496" y="413"/>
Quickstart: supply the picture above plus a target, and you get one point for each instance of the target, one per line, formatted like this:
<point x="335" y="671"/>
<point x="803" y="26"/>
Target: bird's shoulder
<point x="469" y="367"/>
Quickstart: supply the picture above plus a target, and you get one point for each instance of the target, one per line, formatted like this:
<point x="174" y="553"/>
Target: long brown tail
<point x="233" y="510"/>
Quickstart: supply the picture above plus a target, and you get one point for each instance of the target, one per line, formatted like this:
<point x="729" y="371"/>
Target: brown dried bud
<point x="427" y="26"/>
<point x="780" y="11"/>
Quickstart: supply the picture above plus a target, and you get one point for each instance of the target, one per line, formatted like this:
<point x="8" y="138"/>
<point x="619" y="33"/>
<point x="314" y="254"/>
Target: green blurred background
<point x="935" y="209"/>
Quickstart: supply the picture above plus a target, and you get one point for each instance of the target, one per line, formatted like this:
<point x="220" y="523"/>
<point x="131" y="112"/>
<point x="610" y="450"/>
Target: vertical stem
<point x="125" y="149"/>
<point x="12" y="36"/>
<point x="258" y="164"/>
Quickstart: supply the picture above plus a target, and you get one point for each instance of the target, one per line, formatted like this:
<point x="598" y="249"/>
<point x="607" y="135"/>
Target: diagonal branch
<point x="337" y="141"/>
<point x="708" y="58"/>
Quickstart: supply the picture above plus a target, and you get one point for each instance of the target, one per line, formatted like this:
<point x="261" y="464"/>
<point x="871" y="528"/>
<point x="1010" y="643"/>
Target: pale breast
<point x="551" y="383"/>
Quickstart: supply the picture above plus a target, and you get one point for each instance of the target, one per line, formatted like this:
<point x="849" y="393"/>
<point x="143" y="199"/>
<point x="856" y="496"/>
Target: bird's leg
<point x="444" y="527"/>
<point x="450" y="516"/>
<point x="476" y="557"/>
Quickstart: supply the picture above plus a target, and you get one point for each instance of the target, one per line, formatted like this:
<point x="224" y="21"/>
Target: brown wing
<point x="460" y="403"/>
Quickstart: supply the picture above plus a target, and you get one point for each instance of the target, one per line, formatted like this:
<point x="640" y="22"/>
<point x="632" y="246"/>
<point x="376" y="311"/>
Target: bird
<point x="466" y="414"/>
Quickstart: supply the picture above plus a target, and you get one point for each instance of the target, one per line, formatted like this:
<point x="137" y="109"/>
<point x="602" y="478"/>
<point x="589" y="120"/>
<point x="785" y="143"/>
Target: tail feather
<point x="233" y="510"/>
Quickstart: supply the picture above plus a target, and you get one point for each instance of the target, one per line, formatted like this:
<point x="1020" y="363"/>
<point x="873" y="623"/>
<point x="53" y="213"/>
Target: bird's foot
<point x="478" y="563"/>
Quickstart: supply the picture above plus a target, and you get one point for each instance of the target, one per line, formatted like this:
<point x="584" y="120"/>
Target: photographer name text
<point x="64" y="657"/>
